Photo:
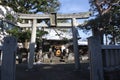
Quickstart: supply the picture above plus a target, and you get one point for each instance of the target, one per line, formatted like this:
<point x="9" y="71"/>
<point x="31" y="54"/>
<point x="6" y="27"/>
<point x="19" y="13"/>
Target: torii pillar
<point x="75" y="43"/>
<point x="32" y="45"/>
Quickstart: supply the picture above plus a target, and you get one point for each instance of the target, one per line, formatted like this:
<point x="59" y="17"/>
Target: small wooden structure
<point x="104" y="60"/>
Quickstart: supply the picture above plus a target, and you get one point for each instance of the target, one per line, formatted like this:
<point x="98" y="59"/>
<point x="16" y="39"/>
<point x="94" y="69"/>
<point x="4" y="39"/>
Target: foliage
<point x="29" y="6"/>
<point x="14" y="32"/>
<point x="21" y="36"/>
<point x="101" y="7"/>
<point x="110" y="23"/>
<point x="32" y="6"/>
<point x="62" y="21"/>
<point x="26" y="35"/>
<point x="115" y="23"/>
<point x="9" y="17"/>
<point x="39" y="34"/>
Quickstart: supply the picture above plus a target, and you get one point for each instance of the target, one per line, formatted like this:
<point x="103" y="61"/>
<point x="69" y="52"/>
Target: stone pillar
<point x="32" y="45"/>
<point x="8" y="61"/>
<point x="75" y="44"/>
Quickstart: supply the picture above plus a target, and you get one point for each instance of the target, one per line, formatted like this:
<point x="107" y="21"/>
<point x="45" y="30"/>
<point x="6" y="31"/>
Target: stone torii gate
<point x="32" y="22"/>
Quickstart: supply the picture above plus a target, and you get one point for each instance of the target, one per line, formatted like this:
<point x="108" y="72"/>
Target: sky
<point x="75" y="6"/>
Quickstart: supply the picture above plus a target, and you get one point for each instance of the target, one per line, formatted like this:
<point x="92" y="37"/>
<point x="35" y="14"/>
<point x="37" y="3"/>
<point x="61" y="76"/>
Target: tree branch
<point x="99" y="6"/>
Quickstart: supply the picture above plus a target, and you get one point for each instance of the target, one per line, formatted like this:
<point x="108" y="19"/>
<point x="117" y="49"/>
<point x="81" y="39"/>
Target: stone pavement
<point x="58" y="71"/>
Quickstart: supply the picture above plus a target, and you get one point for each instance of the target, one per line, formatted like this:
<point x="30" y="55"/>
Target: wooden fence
<point x="104" y="60"/>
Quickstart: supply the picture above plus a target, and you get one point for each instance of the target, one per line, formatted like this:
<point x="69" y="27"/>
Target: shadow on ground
<point x="52" y="72"/>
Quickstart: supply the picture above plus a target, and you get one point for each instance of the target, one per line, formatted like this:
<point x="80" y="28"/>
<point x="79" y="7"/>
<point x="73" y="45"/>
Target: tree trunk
<point x="96" y="32"/>
<point x="25" y="44"/>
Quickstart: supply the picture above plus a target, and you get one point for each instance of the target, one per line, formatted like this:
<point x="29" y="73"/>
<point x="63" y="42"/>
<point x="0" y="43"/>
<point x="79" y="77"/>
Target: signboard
<point x="53" y="20"/>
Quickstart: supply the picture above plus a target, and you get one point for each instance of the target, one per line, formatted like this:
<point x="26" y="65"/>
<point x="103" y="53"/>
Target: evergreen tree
<point x="103" y="9"/>
<point x="107" y="17"/>
<point x="27" y="7"/>
<point x="32" y="6"/>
